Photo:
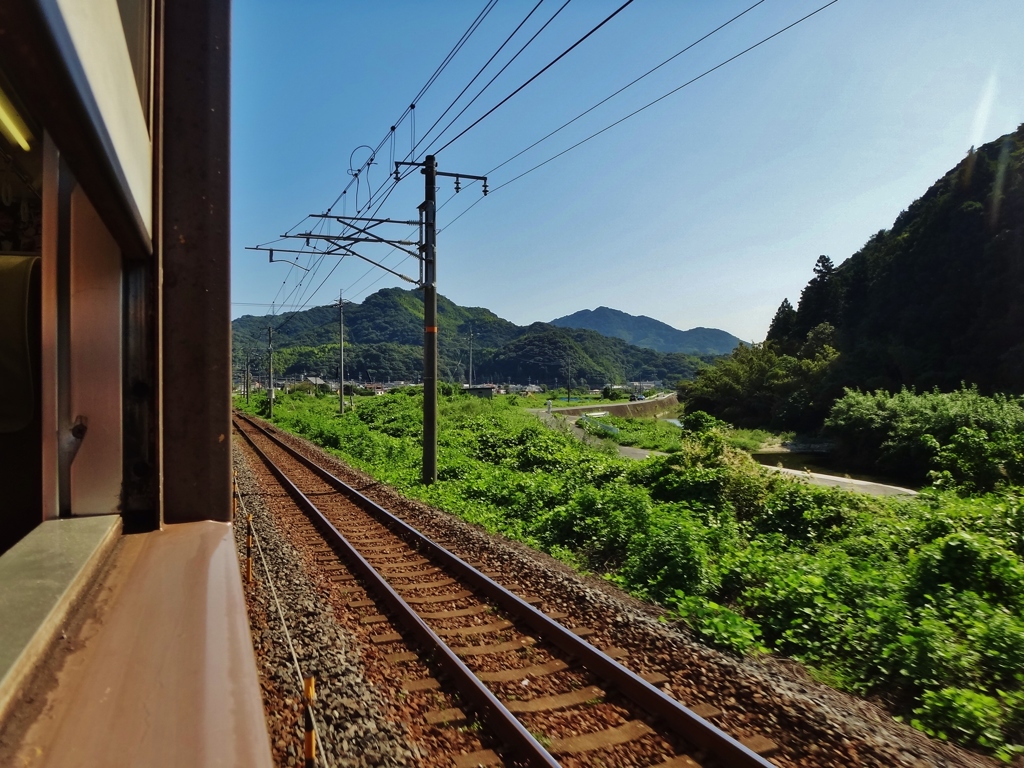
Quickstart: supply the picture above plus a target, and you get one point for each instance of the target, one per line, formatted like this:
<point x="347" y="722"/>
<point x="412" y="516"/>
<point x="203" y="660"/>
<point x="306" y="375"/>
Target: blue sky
<point x="707" y="209"/>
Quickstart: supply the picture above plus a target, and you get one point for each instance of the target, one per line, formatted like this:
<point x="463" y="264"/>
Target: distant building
<point x="525" y="389"/>
<point x="481" y="390"/>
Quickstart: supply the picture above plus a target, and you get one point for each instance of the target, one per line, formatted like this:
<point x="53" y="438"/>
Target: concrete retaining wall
<point x="649" y="408"/>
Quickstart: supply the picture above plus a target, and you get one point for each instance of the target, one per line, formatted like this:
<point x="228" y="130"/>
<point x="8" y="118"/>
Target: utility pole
<point x="428" y="280"/>
<point x="341" y="345"/>
<point x="359" y="230"/>
<point x="429" y="210"/>
<point x="270" y="343"/>
<point x="471" y="355"/>
<point x="248" y="360"/>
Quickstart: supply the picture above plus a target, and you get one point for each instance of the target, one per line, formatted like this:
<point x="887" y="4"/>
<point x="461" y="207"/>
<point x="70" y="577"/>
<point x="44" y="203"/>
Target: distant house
<point x="527" y="389"/>
<point x="481" y="390"/>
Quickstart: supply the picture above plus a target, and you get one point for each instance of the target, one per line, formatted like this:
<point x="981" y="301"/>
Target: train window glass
<point x="21" y="169"/>
<point x="136" y="19"/>
<point x="21" y="243"/>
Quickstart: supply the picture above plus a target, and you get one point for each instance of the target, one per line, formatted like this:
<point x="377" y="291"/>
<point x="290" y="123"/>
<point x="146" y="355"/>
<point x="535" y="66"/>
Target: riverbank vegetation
<point x="916" y="602"/>
<point x="669" y="436"/>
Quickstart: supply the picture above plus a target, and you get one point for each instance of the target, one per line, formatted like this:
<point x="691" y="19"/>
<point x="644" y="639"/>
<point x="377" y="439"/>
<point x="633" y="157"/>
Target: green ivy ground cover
<point x="916" y="601"/>
<point x="651" y="433"/>
<point x="660" y="435"/>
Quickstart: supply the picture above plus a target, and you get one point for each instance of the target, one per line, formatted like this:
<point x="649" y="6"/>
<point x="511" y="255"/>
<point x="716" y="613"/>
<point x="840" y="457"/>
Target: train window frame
<point x="97" y="35"/>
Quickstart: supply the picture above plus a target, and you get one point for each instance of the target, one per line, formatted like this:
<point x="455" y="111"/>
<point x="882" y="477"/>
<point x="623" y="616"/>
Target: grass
<point x="754" y="440"/>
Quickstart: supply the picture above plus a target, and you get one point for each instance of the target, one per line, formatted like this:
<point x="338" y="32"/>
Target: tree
<point x="820" y="300"/>
<point x="783" y="324"/>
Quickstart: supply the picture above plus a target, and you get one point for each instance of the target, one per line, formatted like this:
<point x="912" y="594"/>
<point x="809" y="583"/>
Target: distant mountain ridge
<point x="646" y="332"/>
<point x="384" y="340"/>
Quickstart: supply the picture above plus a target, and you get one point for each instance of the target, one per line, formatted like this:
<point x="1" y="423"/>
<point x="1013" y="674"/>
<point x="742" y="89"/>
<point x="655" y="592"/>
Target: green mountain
<point x="384" y="341"/>
<point x="643" y="331"/>
<point x="390" y="315"/>
<point x="936" y="300"/>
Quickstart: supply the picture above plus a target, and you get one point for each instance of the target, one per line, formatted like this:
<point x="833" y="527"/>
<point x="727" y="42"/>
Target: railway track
<point x="545" y="695"/>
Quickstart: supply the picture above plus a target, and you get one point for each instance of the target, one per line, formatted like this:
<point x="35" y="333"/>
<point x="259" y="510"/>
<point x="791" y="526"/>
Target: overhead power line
<point x="380" y="201"/>
<point x="564" y="125"/>
<point x="426" y="86"/>
<point x="646" y="106"/>
<point x="500" y="71"/>
<point x="451" y="55"/>
<point x="478" y="73"/>
<point x="423" y="90"/>
<point x="310" y="273"/>
<point x="628" y="85"/>
<point x="666" y="95"/>
<point x="546" y="67"/>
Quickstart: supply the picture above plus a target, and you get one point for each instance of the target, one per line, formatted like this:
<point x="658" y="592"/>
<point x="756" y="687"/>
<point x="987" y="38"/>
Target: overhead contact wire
<point x="650" y="104"/>
<point x="500" y="71"/>
<point x="430" y="81"/>
<point x="546" y="67"/>
<point x="627" y="86"/>
<point x="390" y="135"/>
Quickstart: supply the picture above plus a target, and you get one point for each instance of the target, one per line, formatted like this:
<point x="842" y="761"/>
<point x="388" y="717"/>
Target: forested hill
<point x="391" y="315"/>
<point x="938" y="299"/>
<point x="384" y="340"/>
<point x="643" y="331"/>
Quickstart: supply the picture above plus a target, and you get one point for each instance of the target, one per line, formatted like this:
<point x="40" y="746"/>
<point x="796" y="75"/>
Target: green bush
<point x="672" y="556"/>
<point x="963" y="562"/>
<point x="959" y="712"/>
<point x="649" y="433"/>
<point x="971" y="441"/>
<point x="700" y="422"/>
<point x="601" y="523"/>
<point x="716" y="624"/>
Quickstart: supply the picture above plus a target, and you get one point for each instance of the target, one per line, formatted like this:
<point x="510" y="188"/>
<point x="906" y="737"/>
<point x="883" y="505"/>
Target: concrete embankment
<point x="656" y="406"/>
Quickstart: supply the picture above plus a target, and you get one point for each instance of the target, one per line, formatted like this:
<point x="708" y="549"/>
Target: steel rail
<point x="678" y="718"/>
<point x="504" y="723"/>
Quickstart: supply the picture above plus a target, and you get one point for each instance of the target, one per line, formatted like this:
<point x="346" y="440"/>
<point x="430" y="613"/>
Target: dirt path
<point x="559" y="416"/>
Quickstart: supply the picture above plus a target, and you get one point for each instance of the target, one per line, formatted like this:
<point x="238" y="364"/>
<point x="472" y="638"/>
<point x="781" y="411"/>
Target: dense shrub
<point x="601" y="523"/>
<point x="965" y="439"/>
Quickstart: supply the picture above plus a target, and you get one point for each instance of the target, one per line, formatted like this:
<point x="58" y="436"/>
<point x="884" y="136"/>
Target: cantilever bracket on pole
<point x="339" y="239"/>
<point x="370" y="237"/>
<point x="457" y="176"/>
<point x="399" y="275"/>
<point x="281" y="250"/>
<point x="346" y="219"/>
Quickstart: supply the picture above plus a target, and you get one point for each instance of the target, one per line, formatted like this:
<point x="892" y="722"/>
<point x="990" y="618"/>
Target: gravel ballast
<point x="348" y="708"/>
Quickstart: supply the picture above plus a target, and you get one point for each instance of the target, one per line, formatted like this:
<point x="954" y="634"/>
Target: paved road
<point x="848" y="483"/>
<point x="811" y="478"/>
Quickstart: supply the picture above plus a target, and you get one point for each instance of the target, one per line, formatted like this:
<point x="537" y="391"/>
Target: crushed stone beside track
<point x="354" y="732"/>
